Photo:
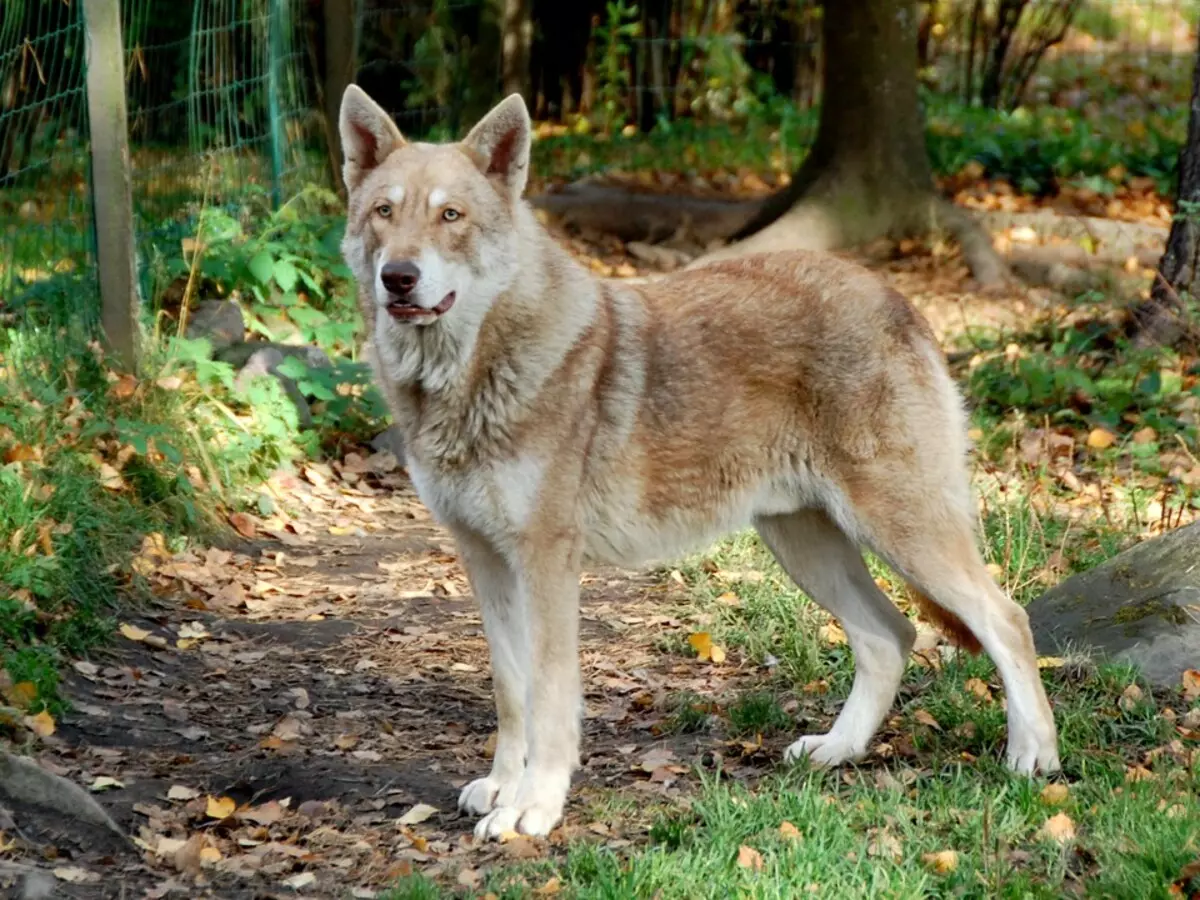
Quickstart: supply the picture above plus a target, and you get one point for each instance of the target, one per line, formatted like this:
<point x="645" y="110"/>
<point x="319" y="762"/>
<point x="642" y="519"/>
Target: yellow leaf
<point x="1101" y="439"/>
<point x="717" y="654"/>
<point x="789" y="831"/>
<point x="110" y="478"/>
<point x="133" y="632"/>
<point x="1130" y="697"/>
<point x="832" y="633"/>
<point x="749" y="858"/>
<point x="1191" y="685"/>
<point x="220" y="807"/>
<point x="941" y="862"/>
<point x="1055" y="794"/>
<point x="1134" y="774"/>
<point x="926" y="718"/>
<point x="22" y="694"/>
<point x="702" y="643"/>
<point x="210" y="855"/>
<point x="1051" y="662"/>
<point x="1058" y="827"/>
<point x="42" y="724"/>
<point x="979" y="688"/>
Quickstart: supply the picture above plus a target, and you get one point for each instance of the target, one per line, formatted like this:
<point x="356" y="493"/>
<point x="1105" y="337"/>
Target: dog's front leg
<point x="549" y="578"/>
<point x="505" y="609"/>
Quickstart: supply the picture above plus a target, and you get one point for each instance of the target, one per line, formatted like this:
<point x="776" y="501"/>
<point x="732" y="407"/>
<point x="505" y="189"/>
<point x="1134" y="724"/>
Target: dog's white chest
<point x="497" y="500"/>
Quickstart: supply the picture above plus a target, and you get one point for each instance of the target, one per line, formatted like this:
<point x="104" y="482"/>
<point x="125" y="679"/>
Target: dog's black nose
<point x="400" y="277"/>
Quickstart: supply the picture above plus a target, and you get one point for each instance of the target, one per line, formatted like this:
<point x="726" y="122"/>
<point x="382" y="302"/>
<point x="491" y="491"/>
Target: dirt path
<point x="266" y="729"/>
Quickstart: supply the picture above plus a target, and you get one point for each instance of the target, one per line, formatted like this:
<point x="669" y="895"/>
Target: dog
<point x="553" y="420"/>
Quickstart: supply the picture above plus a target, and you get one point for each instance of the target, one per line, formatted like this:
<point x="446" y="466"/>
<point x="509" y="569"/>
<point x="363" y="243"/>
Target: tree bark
<point x="517" y="46"/>
<point x="341" y="59"/>
<point x="1165" y="318"/>
<point x="868" y="174"/>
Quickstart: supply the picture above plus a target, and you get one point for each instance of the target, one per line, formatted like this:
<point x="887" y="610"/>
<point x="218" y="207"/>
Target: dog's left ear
<point x="500" y="143"/>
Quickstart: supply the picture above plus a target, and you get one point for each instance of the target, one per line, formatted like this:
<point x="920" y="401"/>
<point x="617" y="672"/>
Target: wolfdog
<point x="553" y="420"/>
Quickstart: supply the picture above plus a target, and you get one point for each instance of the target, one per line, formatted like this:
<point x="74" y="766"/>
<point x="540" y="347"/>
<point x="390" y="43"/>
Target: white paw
<point x="536" y="820"/>
<point x="823" y="750"/>
<point x="484" y="794"/>
<point x="1028" y="756"/>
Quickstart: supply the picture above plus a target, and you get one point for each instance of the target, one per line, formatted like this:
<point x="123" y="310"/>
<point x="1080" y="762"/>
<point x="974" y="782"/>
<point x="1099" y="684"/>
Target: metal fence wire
<point x="218" y="107"/>
<point x="223" y="94"/>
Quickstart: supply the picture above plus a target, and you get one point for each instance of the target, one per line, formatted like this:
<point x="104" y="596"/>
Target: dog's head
<point x="431" y="228"/>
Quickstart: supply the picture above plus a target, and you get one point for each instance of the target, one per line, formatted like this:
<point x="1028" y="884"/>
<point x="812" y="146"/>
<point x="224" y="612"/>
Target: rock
<point x="392" y="441"/>
<point x="220" y="321"/>
<point x="1139" y="607"/>
<point x="238" y="355"/>
<point x="265" y="362"/>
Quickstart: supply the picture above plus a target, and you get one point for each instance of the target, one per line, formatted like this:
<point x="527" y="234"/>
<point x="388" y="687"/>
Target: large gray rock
<point x="1142" y="607"/>
<point x="220" y="321"/>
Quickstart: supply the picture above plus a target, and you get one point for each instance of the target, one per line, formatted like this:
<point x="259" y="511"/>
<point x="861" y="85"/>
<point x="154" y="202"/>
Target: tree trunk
<point x="341" y="57"/>
<point x="868" y="174"/>
<point x="1164" y="318"/>
<point x="517" y="45"/>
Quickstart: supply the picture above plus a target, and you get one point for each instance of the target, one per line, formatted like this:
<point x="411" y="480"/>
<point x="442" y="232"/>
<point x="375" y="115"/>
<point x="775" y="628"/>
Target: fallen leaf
<point x="243" y="524"/>
<point x="832" y="633"/>
<point x="75" y="875"/>
<point x="1134" y="774"/>
<point x="170" y="382"/>
<point x="220" y="807"/>
<point x="1191" y="685"/>
<point x="1130" y="697"/>
<point x="1058" y="827"/>
<point x="267" y="814"/>
<point x="749" y="858"/>
<point x="42" y="724"/>
<point x="1101" y="439"/>
<point x="419" y="813"/>
<point x="300" y="880"/>
<point x="123" y="388"/>
<point x="133" y="632"/>
<point x="1055" y="794"/>
<point x="1051" y="662"/>
<point x="789" y="831"/>
<point x="979" y="688"/>
<point x="1145" y="435"/>
<point x="104" y="783"/>
<point x="21" y="453"/>
<point x="926" y="718"/>
<point x="22" y="694"/>
<point x="942" y="862"/>
<point x="210" y="855"/>
<point x="180" y="792"/>
<point x="884" y="843"/>
<point x="110" y="478"/>
<point x="550" y="888"/>
<point x="706" y="650"/>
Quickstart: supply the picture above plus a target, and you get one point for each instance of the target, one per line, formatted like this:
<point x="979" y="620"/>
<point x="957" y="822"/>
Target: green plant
<point x="613" y="41"/>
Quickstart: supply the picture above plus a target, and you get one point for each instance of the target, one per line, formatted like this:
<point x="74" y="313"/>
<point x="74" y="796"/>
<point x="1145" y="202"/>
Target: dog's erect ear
<point x="501" y="142"/>
<point x="368" y="135"/>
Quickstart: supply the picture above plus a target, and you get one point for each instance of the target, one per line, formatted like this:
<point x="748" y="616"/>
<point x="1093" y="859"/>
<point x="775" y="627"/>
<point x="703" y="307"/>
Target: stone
<point x="265" y="362"/>
<point x="220" y="321"/>
<point x="390" y="440"/>
<point x="1141" y="607"/>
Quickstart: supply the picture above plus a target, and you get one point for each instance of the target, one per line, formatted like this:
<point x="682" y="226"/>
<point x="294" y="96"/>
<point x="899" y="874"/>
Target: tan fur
<point x="552" y="420"/>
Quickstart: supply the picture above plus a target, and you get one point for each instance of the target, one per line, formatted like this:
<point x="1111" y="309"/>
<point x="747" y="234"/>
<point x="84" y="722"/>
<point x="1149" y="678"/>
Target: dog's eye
<point x="384" y="210"/>
<point x="451" y="215"/>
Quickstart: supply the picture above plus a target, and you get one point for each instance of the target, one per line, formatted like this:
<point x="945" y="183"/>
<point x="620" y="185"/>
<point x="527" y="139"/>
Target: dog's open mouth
<point x="406" y="309"/>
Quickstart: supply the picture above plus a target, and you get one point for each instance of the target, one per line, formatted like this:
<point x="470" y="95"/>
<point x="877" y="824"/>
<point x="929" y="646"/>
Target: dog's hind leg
<point x="933" y="547"/>
<point x="506" y="624"/>
<point x="828" y="567"/>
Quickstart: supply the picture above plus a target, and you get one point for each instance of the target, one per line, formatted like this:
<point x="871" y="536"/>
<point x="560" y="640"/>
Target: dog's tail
<point x="946" y="622"/>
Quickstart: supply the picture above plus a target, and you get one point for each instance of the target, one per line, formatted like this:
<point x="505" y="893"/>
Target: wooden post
<point x="112" y="196"/>
<point x="341" y="62"/>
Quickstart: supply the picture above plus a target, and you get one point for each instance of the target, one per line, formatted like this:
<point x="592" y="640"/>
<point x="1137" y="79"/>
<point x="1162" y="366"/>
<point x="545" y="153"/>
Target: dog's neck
<point x="463" y="393"/>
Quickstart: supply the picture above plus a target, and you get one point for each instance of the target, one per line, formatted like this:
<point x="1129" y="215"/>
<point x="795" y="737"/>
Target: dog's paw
<point x="1030" y="756"/>
<point x="823" y="750"/>
<point x="483" y="795"/>
<point x="535" y="820"/>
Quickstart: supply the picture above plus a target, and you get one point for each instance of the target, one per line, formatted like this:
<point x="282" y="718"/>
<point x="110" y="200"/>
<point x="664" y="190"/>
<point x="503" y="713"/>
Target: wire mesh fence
<point x="222" y="95"/>
<point x="218" y="113"/>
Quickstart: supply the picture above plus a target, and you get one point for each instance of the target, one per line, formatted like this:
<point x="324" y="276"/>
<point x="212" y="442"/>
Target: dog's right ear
<point x="368" y="135"/>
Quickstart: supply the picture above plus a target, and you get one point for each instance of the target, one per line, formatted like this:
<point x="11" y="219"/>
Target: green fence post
<point x="276" y="22"/>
